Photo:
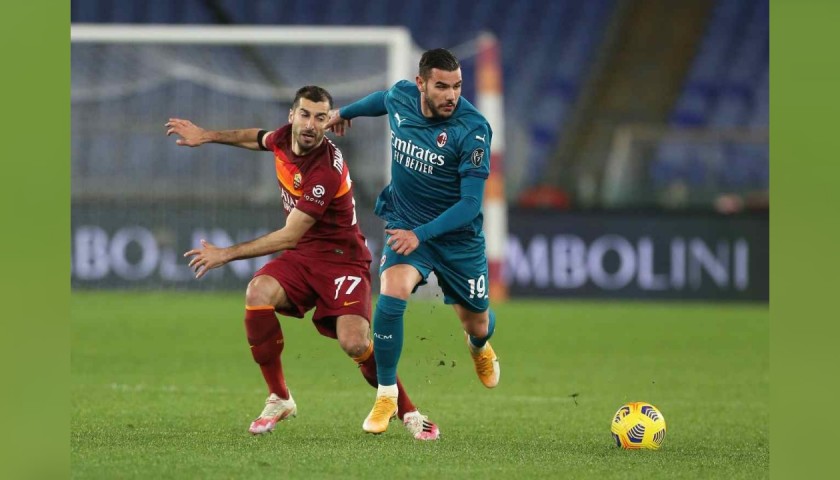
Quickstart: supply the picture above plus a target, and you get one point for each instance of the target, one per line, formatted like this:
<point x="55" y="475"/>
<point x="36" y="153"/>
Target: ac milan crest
<point x="441" y="139"/>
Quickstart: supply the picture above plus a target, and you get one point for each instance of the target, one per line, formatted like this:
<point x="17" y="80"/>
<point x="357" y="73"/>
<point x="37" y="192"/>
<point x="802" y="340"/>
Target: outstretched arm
<point x="372" y="105"/>
<point x="210" y="256"/>
<point x="193" y="136"/>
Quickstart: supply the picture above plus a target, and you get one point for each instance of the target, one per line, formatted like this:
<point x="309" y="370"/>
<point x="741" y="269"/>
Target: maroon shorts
<point x="332" y="289"/>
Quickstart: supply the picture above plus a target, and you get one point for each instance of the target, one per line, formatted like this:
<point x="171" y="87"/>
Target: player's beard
<point x="437" y="110"/>
<point x="306" y="144"/>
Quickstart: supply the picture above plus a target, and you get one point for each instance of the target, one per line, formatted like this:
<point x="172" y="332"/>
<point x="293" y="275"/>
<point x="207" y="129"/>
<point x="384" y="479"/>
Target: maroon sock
<point x="266" y="340"/>
<point x="368" y="369"/>
<point x="404" y="404"/>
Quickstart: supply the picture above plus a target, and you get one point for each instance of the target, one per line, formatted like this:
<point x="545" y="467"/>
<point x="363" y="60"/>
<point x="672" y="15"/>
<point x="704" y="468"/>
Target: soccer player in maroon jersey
<point x="324" y="263"/>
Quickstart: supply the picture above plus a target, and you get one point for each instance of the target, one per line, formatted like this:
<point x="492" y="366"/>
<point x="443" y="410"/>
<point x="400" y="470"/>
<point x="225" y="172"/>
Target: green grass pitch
<point x="163" y="386"/>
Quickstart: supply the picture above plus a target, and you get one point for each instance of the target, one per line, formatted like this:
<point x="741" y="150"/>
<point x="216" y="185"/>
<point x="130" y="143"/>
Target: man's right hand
<point x="191" y="134"/>
<point x="336" y="124"/>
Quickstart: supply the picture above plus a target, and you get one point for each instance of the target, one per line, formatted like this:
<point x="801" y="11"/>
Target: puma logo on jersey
<point x="398" y="119"/>
<point x="480" y="137"/>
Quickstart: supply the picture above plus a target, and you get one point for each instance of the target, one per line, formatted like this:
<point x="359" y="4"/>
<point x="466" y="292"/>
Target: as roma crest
<point x="298" y="181"/>
<point x="441" y="139"/>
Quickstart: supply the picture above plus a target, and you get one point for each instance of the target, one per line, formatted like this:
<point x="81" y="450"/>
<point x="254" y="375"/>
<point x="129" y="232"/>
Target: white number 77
<point x="340" y="281"/>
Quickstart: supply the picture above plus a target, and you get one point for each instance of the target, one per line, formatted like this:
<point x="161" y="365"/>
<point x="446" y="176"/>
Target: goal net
<point x="139" y="201"/>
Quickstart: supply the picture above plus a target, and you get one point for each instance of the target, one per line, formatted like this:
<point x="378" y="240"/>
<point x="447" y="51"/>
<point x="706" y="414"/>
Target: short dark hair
<point x="312" y="93"/>
<point x="439" y="58"/>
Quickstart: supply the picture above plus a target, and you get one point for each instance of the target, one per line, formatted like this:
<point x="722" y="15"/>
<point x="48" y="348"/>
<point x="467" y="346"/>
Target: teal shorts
<point x="460" y="267"/>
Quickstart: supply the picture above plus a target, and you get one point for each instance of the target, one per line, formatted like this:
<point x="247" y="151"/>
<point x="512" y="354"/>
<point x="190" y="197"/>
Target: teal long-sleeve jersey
<point x="430" y="157"/>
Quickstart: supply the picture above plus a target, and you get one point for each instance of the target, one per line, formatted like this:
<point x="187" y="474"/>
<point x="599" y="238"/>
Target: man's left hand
<point x="402" y="241"/>
<point x="206" y="258"/>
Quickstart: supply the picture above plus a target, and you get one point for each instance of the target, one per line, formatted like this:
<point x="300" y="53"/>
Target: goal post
<point x="397" y="40"/>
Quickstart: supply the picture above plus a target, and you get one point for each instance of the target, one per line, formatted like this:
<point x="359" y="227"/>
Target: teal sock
<point x="479" y="342"/>
<point x="388" y="337"/>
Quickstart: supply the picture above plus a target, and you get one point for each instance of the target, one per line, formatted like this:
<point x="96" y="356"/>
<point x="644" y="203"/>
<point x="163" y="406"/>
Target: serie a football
<point x="638" y="425"/>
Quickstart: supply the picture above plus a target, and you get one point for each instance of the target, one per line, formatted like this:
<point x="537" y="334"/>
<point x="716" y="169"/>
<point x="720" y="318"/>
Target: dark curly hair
<point x="439" y="58"/>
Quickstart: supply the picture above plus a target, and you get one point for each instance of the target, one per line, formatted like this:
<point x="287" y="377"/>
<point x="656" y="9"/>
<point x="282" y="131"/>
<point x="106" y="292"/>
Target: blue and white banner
<point x="548" y="254"/>
<point x="620" y="255"/>
<point x="142" y="245"/>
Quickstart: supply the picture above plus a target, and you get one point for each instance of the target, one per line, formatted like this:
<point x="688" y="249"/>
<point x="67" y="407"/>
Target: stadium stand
<point x="727" y="87"/>
<point x="541" y="84"/>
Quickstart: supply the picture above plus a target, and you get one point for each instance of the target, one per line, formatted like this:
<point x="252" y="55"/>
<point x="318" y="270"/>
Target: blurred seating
<point x="545" y="196"/>
<point x="547" y="47"/>
<point x="727" y="87"/>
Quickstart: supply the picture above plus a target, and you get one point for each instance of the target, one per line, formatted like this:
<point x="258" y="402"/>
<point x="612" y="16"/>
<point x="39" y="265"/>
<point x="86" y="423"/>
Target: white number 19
<point x="477" y="287"/>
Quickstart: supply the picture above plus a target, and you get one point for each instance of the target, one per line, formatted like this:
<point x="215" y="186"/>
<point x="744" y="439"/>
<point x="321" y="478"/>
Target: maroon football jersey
<point x="319" y="185"/>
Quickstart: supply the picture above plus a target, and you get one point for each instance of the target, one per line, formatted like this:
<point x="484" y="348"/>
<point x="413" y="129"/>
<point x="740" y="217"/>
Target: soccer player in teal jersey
<point x="440" y="152"/>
